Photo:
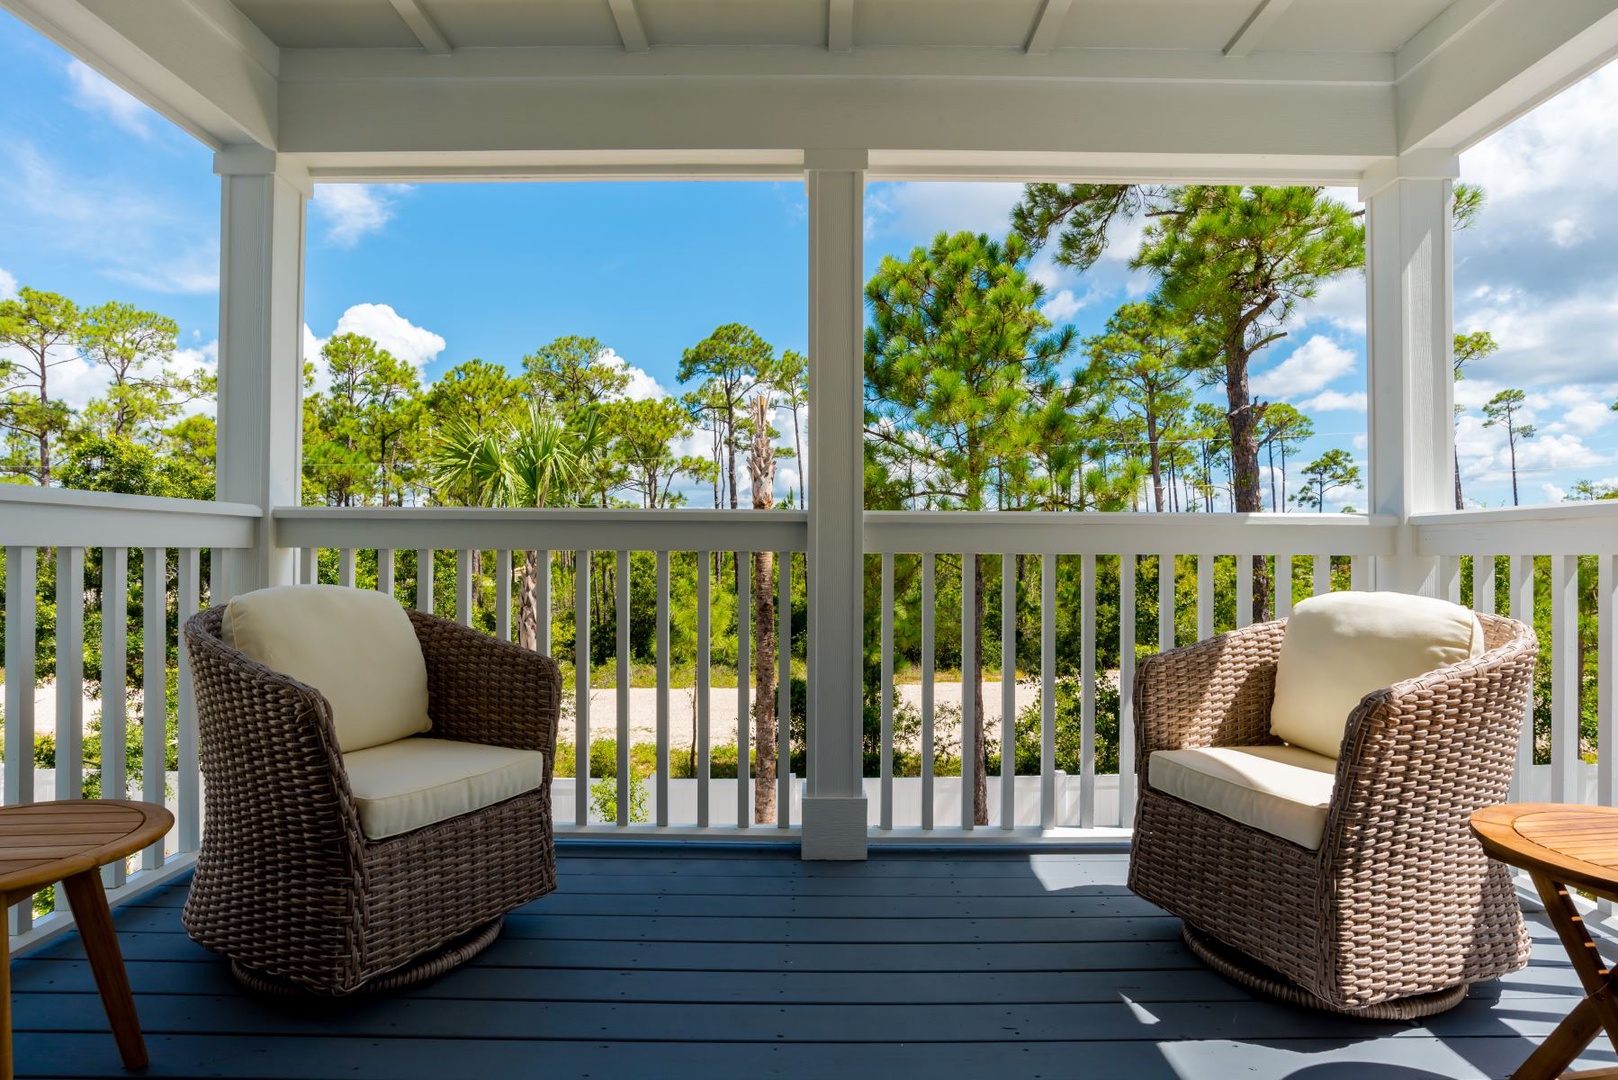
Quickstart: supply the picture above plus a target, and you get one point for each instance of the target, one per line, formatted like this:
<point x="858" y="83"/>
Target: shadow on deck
<point x="668" y="962"/>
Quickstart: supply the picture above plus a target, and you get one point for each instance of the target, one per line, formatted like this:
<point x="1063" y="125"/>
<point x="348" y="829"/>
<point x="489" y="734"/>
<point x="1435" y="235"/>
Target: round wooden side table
<point x="1564" y="847"/>
<point x="69" y="841"/>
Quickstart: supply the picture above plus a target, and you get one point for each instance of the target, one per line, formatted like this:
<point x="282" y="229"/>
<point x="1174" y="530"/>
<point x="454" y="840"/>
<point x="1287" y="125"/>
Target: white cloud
<point x="354" y="211"/>
<point x="1566" y="233"/>
<point x="1340" y="302"/>
<point x="1312" y="366"/>
<point x="92" y="92"/>
<point x="8" y="285"/>
<point x="405" y="340"/>
<point x="1063" y="306"/>
<point x="1331" y="400"/>
<point x="922" y="209"/>
<point x="642" y="387"/>
<point x="1553" y="493"/>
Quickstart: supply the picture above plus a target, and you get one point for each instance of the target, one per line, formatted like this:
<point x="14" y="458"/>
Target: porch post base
<point x="834" y="827"/>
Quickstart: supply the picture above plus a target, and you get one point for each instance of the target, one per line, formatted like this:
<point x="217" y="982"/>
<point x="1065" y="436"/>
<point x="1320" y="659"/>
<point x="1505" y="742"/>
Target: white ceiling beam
<point x="197" y="62"/>
<point x="631" y="30"/>
<point x="840" y="26"/>
<point x="1047" y="27"/>
<point x="1503" y="63"/>
<point x="1257" y="25"/>
<point x="435" y="119"/>
<point x="421" y="24"/>
<point x="1438" y="35"/>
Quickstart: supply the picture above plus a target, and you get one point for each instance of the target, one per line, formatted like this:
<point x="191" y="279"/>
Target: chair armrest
<point x="1420" y="756"/>
<point x="484" y="690"/>
<point x="1214" y="693"/>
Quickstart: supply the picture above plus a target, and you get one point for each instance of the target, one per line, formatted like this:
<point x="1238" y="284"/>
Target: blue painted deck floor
<point x="662" y="962"/>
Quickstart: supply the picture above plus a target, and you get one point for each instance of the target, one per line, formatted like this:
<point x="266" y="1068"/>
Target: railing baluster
<point x="188" y="786"/>
<point x="1449" y="578"/>
<point x="384" y="571"/>
<point x="1165" y="601"/>
<point x="887" y="691"/>
<point x="542" y="602"/>
<point x="502" y="595"/>
<point x="465" y="579"/>
<point x="1322" y="574"/>
<point x="625" y="780"/>
<point x="744" y="665"/>
<point x="1283" y="586"/>
<point x="1244" y="590"/>
<point x="345" y="567"/>
<point x="1522" y="609"/>
<point x="704" y="658"/>
<point x="1483" y="584"/>
<point x="1564" y="678"/>
<point x="154" y="699"/>
<point x="22" y="582"/>
<point x="969" y="620"/>
<point x="662" y="689"/>
<point x="1047" y="691"/>
<point x="1205" y="597"/>
<point x="1359" y="572"/>
<point x="1606" y="648"/>
<point x="424" y="580"/>
<point x="581" y="687"/>
<point x="1127" y="565"/>
<point x="70" y="672"/>
<point x="1008" y="691"/>
<point x="928" y="662"/>
<point x="114" y="685"/>
<point x="309" y="566"/>
<point x="783" y="691"/>
<point x="1090" y="621"/>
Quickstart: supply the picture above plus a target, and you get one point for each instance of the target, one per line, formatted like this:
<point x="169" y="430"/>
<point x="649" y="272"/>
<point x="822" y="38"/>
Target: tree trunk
<point x="761" y="468"/>
<point x="1244" y="417"/>
<point x="803" y="462"/>
<point x="1460" y="503"/>
<point x="1152" y="438"/>
<point x="980" y="754"/>
<point x="528" y="602"/>
<point x="1511" y="440"/>
<point x="730" y="455"/>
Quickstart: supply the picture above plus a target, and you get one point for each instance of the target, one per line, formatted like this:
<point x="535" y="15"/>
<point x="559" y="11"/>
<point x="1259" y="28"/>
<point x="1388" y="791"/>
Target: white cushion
<point x="355" y="646"/>
<point x="1341" y="646"/>
<point x="408" y="784"/>
<point x="1283" y="790"/>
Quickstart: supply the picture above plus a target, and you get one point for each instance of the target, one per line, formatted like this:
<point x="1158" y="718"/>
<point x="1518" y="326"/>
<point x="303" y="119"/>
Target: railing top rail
<point x="1563" y="529"/>
<point x="446" y="527"/>
<point x="1100" y="533"/>
<point x="49" y="517"/>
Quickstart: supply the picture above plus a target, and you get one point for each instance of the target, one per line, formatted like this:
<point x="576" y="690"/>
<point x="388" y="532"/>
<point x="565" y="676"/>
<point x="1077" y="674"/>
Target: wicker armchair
<point x="288" y="886"/>
<point x="1399" y="909"/>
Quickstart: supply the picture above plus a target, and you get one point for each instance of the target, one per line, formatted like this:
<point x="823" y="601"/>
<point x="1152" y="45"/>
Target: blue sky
<point x="106" y="200"/>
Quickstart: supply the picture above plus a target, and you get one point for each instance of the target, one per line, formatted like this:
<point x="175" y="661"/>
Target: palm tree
<point x="533" y="463"/>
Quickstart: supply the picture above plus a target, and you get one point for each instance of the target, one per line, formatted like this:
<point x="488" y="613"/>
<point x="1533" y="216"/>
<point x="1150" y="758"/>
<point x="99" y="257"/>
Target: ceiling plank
<point x="421" y="24"/>
<point x="631" y="31"/>
<point x="1048" y="27"/>
<point x="840" y="26"/>
<point x="1257" y="25"/>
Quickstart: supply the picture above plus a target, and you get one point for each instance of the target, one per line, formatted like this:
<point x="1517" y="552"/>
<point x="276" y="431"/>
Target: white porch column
<point x="834" y="821"/>
<point x="260" y="352"/>
<point x="1410" y="341"/>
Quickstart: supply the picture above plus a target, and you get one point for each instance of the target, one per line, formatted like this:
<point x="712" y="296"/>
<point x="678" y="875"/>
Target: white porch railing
<point x="87" y="540"/>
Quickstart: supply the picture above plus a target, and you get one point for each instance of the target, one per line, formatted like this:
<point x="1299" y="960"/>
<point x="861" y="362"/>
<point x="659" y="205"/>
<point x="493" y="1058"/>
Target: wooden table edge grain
<point x="133" y="826"/>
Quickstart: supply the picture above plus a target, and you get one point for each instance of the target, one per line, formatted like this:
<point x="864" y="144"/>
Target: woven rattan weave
<point x="1400" y="903"/>
<point x="288" y="887"/>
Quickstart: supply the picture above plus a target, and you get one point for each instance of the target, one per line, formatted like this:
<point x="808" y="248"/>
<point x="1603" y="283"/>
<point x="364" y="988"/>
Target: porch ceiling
<point x="1171" y="89"/>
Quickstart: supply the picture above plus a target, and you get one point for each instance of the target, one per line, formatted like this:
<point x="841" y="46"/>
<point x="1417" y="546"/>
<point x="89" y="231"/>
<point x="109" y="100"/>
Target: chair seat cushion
<point x="1283" y="790"/>
<point x="355" y="646"/>
<point x="412" y="783"/>
<point x="1340" y="646"/>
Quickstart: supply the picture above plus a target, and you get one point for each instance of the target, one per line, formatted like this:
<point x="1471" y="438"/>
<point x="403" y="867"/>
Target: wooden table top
<point x="44" y="842"/>
<point x="1575" y="845"/>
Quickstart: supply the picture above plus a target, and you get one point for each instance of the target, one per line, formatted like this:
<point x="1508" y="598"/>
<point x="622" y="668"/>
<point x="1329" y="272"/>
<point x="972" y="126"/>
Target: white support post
<point x="834" y="811"/>
<point x="260" y="351"/>
<point x="1410" y="341"/>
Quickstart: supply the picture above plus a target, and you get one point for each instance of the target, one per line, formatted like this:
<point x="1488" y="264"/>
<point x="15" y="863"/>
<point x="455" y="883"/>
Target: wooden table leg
<point x="1598" y="1010"/>
<point x="94" y="921"/>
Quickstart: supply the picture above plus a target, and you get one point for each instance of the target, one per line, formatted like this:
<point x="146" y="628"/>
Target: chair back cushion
<point x="355" y="646"/>
<point x="1341" y="646"/>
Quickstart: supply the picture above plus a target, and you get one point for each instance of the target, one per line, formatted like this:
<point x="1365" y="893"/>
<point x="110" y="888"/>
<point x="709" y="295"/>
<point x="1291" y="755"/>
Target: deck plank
<point x="704" y="963"/>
